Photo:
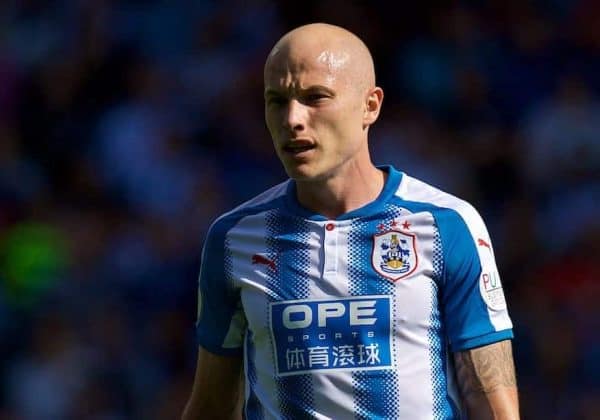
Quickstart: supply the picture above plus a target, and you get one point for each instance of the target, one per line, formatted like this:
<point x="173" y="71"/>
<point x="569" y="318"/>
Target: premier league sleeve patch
<point x="491" y="290"/>
<point x="323" y="335"/>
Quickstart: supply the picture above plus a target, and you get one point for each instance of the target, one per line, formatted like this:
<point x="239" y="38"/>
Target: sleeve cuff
<point x="482" y="340"/>
<point x="221" y="351"/>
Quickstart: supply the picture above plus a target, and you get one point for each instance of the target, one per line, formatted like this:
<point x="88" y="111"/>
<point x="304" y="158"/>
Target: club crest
<point x="394" y="254"/>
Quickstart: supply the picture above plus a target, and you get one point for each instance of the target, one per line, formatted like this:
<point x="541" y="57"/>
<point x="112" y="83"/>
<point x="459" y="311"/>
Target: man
<point x="350" y="290"/>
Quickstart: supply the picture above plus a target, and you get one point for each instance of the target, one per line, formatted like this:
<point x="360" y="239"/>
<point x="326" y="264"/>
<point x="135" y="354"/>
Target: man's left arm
<point x="487" y="382"/>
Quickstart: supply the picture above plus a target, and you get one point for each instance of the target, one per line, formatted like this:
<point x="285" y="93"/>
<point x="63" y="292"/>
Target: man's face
<point x="314" y="111"/>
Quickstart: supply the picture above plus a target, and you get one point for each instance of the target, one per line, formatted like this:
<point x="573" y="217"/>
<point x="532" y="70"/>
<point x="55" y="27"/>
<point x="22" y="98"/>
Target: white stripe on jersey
<point x="332" y="282"/>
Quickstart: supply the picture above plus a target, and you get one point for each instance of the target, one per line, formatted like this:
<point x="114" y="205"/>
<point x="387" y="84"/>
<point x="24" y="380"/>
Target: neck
<point x="349" y="189"/>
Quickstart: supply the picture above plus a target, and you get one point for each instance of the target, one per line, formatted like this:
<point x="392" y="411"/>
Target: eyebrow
<point x="277" y="92"/>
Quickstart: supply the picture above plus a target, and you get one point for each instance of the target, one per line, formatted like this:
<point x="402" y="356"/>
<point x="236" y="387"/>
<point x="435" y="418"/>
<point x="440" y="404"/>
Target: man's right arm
<point x="217" y="392"/>
<point x="487" y="381"/>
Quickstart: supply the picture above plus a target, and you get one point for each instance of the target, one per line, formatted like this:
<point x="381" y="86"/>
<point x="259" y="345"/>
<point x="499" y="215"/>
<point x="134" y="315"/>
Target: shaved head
<point x="320" y="100"/>
<point x="338" y="49"/>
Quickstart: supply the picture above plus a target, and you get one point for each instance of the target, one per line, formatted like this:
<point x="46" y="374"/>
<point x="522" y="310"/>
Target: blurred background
<point x="127" y="126"/>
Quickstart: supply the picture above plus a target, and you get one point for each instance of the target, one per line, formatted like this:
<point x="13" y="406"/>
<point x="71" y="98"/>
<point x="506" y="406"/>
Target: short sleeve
<point x="473" y="304"/>
<point x="221" y="322"/>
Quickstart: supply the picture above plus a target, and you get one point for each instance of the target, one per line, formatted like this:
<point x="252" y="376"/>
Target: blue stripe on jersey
<point x="253" y="409"/>
<point x="443" y="407"/>
<point x="228" y="267"/>
<point x="462" y="269"/>
<point x="460" y="280"/>
<point x="218" y="297"/>
<point x="287" y="240"/>
<point x="370" y="386"/>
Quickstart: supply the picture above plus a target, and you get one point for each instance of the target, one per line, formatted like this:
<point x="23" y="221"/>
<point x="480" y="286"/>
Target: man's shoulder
<point x="428" y="197"/>
<point x="265" y="201"/>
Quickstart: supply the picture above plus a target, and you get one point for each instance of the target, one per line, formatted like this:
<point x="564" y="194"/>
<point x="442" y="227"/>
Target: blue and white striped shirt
<point x="354" y="317"/>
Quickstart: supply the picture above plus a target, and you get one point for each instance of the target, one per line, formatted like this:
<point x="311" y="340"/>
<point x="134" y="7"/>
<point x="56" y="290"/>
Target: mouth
<point x="298" y="147"/>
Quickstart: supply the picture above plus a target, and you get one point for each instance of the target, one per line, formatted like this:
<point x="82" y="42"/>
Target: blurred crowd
<point x="126" y="126"/>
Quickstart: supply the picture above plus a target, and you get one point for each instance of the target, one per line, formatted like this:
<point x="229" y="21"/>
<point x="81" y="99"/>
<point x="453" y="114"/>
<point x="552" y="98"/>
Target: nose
<point x="295" y="117"/>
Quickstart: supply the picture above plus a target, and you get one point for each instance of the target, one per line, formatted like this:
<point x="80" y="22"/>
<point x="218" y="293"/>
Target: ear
<point x="373" y="103"/>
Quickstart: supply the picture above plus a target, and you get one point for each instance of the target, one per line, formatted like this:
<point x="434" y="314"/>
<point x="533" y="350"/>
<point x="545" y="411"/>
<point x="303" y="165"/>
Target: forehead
<point x="306" y="66"/>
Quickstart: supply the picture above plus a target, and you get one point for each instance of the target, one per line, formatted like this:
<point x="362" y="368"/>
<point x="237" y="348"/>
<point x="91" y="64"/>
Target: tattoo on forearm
<point x="486" y="368"/>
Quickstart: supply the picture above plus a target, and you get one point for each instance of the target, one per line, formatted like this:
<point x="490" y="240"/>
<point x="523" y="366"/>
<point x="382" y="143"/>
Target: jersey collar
<point x="389" y="189"/>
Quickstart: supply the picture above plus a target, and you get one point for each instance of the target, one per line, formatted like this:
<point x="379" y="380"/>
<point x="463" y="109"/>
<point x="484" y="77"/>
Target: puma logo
<point x="261" y="259"/>
<point x="481" y="242"/>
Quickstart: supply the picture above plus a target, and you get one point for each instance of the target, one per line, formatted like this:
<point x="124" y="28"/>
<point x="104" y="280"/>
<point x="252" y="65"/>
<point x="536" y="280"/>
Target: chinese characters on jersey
<point x="348" y="333"/>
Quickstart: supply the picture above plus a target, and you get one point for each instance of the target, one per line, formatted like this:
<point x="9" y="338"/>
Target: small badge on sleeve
<point x="491" y="290"/>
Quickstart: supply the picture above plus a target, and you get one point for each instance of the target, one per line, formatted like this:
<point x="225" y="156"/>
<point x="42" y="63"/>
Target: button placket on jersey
<point x="330" y="246"/>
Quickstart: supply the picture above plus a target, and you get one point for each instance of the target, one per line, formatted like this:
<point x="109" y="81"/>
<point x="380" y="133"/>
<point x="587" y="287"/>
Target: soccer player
<point x="350" y="290"/>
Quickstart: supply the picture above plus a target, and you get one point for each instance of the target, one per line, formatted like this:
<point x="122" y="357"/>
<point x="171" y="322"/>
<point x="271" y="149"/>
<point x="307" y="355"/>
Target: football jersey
<point x="355" y="317"/>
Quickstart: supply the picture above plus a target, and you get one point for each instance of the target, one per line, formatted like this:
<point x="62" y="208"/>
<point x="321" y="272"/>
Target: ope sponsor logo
<point x="344" y="333"/>
<point x="357" y="312"/>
